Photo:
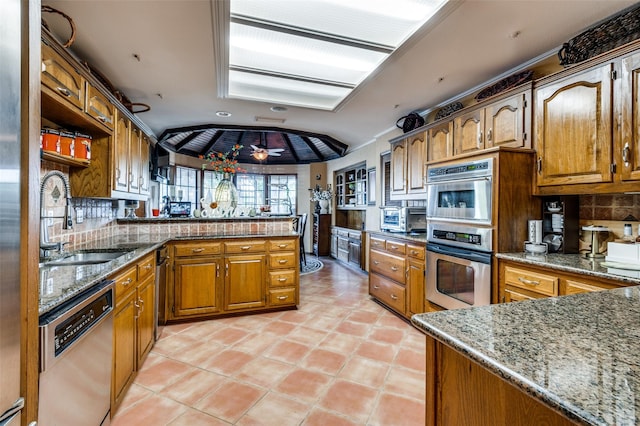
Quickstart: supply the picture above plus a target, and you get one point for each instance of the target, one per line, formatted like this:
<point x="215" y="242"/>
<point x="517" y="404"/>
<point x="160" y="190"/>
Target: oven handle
<point x="449" y="181"/>
<point x="471" y="255"/>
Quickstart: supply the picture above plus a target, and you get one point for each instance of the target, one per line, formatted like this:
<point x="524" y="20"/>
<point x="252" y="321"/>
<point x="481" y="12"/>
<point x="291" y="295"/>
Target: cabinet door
<point x="573" y="129"/>
<point x="244" y="282"/>
<point x="99" y="107"/>
<point x="628" y="153"/>
<point x="334" y="246"/>
<point x="196" y="286"/>
<point x="121" y="154"/>
<point x="440" y="142"/>
<point x="355" y="252"/>
<point x="416" y="161"/>
<point x="61" y="78"/>
<point x="124" y="347"/>
<point x="135" y="145"/>
<point x="468" y="132"/>
<point x="145" y="177"/>
<point x="415" y="287"/>
<point x="398" y="168"/>
<point x="504" y="122"/>
<point x="146" y="303"/>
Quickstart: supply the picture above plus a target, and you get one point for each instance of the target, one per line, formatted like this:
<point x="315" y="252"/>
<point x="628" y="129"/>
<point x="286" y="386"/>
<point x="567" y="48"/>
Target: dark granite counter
<point x="61" y="283"/>
<point x="577" y="354"/>
<point x="575" y="263"/>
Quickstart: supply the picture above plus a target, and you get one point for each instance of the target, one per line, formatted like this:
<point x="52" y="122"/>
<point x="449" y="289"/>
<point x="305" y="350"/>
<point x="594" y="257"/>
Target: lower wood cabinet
<point x="223" y="276"/>
<point x="397" y="273"/>
<point x="346" y="246"/>
<point x="522" y="281"/>
<point x="133" y="324"/>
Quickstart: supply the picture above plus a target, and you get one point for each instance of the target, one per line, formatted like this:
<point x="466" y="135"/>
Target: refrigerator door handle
<point x="7" y="416"/>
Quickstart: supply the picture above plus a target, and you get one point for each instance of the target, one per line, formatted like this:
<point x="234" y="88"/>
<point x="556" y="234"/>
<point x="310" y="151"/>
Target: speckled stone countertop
<point x="576" y="263"/>
<point x="418" y="237"/>
<point x="577" y="354"/>
<point x="61" y="283"/>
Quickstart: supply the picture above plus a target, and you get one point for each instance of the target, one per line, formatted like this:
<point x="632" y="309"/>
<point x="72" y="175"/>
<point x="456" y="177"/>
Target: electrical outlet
<point x="79" y="215"/>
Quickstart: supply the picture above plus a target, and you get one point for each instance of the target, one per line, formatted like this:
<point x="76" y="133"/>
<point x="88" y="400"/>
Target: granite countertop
<point x="576" y="263"/>
<point x="163" y="219"/>
<point x="61" y="283"/>
<point x="578" y="354"/>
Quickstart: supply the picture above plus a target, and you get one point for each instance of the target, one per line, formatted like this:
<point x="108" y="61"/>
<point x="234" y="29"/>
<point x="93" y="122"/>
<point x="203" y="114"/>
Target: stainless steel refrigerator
<point x="10" y="51"/>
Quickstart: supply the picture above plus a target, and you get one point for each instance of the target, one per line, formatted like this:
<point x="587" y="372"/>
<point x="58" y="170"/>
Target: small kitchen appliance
<point x="403" y="219"/>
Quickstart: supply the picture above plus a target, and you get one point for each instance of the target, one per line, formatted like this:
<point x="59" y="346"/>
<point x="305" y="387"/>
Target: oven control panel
<point x="460" y="237"/>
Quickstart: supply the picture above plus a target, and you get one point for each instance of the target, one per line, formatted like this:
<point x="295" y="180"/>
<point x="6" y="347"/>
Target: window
<point x="210" y="181"/>
<point x="282" y="193"/>
<point x="185" y="186"/>
<point x="250" y="191"/>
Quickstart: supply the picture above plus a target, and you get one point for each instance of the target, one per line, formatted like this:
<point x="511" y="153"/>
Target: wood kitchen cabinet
<point x="348" y="244"/>
<point x="216" y="277"/>
<point x="397" y="273"/>
<point x="133" y="322"/>
<point x="321" y="234"/>
<point x="522" y="281"/>
<point x="573" y="129"/>
<point x="61" y="79"/>
<point x="408" y="166"/>
<point x="501" y="123"/>
<point x="627" y="132"/>
<point x="440" y="141"/>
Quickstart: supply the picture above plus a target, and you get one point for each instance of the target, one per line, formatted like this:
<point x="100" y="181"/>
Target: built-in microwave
<point x="403" y="219"/>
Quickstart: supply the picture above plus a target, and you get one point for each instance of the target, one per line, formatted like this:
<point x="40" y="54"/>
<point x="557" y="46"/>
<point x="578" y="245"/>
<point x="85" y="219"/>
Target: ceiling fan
<point x="261" y="152"/>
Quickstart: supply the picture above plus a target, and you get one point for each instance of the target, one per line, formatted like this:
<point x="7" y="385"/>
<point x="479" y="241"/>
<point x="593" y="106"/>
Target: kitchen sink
<point x="85" y="258"/>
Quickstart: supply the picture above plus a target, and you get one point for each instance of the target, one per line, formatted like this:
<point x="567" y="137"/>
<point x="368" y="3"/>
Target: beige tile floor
<point x="340" y="359"/>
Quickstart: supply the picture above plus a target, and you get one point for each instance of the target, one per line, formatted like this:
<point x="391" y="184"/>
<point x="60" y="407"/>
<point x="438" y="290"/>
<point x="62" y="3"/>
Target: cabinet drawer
<point x="396" y="247"/>
<point x="416" y="252"/>
<point x="377" y="243"/>
<point x="61" y="78"/>
<point x="98" y="106"/>
<point x="533" y="281"/>
<point x="388" y="292"/>
<point x="343" y="233"/>
<point x="145" y="267"/>
<point x="285" y="277"/>
<point x="388" y="265"/>
<point x="283" y="260"/>
<point x="251" y="246"/>
<point x="125" y="282"/>
<point x="197" y="249"/>
<point x="355" y="235"/>
<point x="576" y="287"/>
<point x="282" y="296"/>
<point x="282" y="245"/>
<point x="343" y="243"/>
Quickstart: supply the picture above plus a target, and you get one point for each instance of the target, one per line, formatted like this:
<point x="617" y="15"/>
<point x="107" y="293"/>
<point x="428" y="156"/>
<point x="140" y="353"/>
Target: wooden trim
<point x="29" y="223"/>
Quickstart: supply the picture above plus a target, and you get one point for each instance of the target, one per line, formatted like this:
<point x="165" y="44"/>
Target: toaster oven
<point x="403" y="219"/>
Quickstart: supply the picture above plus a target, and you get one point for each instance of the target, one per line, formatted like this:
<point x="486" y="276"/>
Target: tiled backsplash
<point x="610" y="207"/>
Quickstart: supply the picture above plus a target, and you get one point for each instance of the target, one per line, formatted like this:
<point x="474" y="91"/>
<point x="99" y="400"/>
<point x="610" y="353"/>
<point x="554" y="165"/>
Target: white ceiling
<point x="175" y="73"/>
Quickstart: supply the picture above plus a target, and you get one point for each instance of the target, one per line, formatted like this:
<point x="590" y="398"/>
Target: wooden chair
<point x="302" y="224"/>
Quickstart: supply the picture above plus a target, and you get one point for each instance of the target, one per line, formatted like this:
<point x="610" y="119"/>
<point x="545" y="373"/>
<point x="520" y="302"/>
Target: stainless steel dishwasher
<point x="76" y="345"/>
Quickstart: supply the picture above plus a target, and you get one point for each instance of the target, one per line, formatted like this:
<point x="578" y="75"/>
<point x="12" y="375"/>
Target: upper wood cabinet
<point x="505" y="122"/>
<point x="408" y="166"/>
<point x="440" y="142"/>
<point x="573" y="129"/>
<point x="60" y="79"/>
<point x="98" y="107"/>
<point x="627" y="131"/>
<point x="121" y="142"/>
<point x="352" y="187"/>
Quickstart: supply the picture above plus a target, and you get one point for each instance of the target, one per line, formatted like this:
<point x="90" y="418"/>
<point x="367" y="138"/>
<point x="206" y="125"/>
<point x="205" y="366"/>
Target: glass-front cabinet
<point x="351" y="187"/>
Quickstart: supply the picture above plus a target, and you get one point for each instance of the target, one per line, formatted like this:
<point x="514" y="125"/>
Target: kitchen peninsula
<point x="563" y="360"/>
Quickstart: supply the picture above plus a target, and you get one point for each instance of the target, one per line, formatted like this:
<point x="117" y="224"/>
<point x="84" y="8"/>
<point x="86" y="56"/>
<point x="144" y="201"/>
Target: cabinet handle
<point x="197" y="250"/>
<point x="413" y="252"/>
<point x="283" y="297"/>
<point x="117" y="173"/>
<point x="137" y="309"/>
<point x="245" y="247"/>
<point x="282" y="261"/>
<point x="539" y="165"/>
<point x="394" y="269"/>
<point x="226" y="269"/>
<point x="489" y="135"/>
<point x="375" y="262"/>
<point x="394" y="247"/>
<point x="394" y="297"/>
<point x="528" y="282"/>
<point x="375" y="287"/>
<point x="147" y="267"/>
<point x="64" y="91"/>
<point x="127" y="282"/>
<point x="479" y="139"/>
<point x="282" y="279"/>
<point x="217" y="269"/>
<point x="102" y="118"/>
<point x="141" y="305"/>
<point x="130" y="177"/>
<point x="626" y="154"/>
<point x="282" y="245"/>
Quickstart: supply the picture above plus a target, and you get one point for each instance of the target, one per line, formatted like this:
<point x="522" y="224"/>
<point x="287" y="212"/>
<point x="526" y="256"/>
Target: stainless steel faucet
<point x="45" y="244"/>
